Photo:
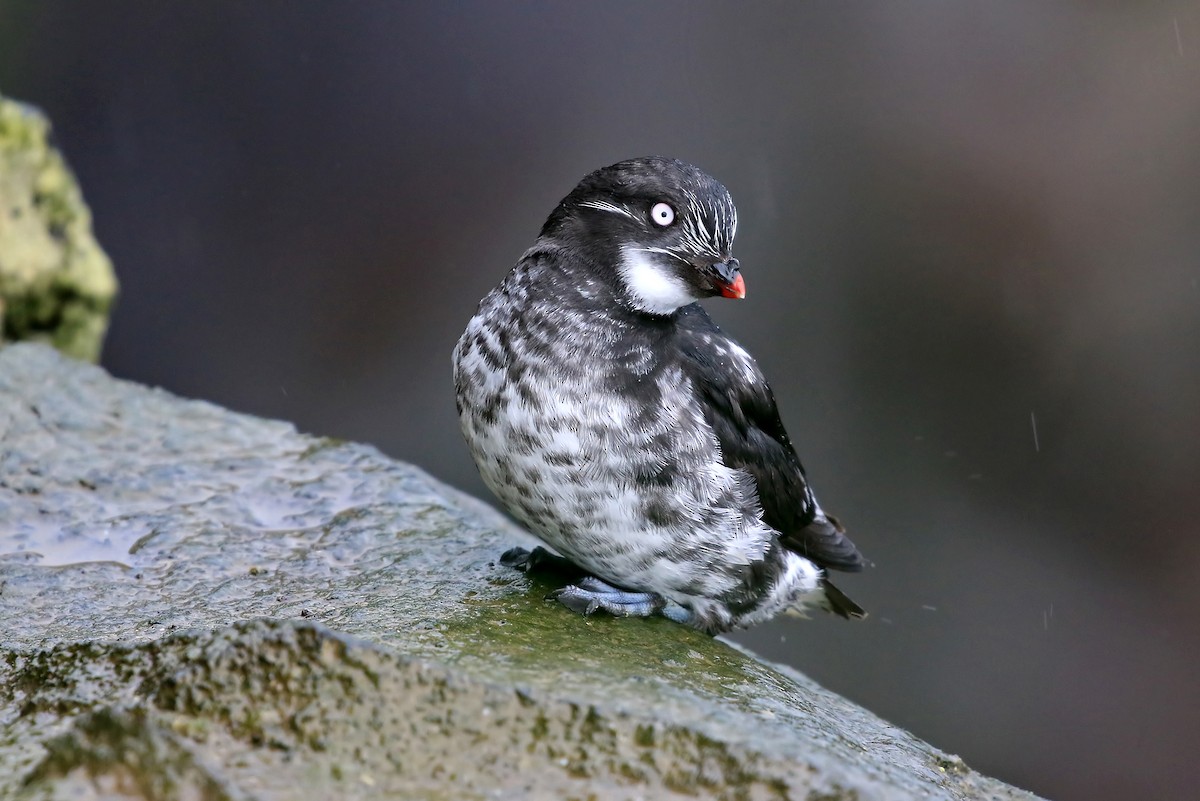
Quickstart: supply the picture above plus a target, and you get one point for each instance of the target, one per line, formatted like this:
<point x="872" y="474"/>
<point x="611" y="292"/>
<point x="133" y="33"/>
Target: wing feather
<point x="740" y="407"/>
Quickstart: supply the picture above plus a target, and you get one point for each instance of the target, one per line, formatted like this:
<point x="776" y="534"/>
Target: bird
<point x="609" y="415"/>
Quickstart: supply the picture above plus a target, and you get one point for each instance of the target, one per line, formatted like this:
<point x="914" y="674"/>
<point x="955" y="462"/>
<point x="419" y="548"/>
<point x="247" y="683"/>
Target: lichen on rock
<point x="56" y="284"/>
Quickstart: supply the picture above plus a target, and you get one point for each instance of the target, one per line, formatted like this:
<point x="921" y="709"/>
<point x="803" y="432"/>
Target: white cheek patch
<point x="653" y="288"/>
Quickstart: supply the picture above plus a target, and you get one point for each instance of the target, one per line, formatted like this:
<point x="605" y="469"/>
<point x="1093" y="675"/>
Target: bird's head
<point x="665" y="226"/>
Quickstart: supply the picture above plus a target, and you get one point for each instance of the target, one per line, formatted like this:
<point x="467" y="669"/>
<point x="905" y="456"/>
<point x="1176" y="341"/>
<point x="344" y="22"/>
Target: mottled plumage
<point x="611" y="416"/>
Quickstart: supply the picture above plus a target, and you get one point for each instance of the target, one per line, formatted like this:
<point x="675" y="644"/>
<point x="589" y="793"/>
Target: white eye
<point x="662" y="214"/>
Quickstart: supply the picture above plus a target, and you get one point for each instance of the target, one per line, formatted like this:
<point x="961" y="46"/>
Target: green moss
<point x="112" y="748"/>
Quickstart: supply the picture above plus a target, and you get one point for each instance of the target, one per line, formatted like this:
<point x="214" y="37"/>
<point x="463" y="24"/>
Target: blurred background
<point x="970" y="234"/>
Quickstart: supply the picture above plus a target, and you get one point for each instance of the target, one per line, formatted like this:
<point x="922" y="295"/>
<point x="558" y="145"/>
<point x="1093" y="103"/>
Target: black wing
<point x="743" y="415"/>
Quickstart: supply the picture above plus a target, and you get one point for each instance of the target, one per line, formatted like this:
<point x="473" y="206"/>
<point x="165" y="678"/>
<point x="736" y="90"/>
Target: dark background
<point x="970" y="237"/>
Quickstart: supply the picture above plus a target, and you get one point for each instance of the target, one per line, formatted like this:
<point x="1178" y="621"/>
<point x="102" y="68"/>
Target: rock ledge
<point x="202" y="604"/>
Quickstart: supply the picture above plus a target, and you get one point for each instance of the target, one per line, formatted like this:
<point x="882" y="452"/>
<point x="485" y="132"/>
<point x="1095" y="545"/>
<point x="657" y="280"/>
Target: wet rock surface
<point x="201" y="604"/>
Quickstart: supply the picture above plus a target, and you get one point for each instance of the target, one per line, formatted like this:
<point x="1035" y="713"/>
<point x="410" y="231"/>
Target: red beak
<point x="735" y="289"/>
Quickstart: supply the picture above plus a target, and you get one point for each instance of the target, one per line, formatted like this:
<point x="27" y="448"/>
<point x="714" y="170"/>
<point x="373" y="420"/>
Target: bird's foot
<point x="592" y="595"/>
<point x="588" y="594"/>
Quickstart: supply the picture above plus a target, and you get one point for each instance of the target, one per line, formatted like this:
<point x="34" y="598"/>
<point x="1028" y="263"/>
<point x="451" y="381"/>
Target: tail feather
<point x="824" y="541"/>
<point x="840" y="604"/>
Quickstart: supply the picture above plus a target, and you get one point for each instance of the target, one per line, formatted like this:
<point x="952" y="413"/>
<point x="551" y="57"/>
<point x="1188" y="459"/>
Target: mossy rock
<point x="56" y="284"/>
<point x="202" y="604"/>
